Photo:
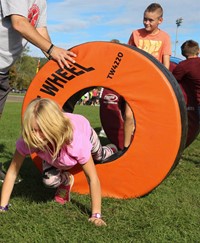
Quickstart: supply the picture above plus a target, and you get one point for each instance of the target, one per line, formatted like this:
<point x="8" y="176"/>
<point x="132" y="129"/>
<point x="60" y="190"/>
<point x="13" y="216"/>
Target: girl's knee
<point x="52" y="178"/>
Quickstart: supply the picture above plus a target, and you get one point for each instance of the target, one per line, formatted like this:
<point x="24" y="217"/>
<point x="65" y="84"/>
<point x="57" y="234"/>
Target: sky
<point x="73" y="22"/>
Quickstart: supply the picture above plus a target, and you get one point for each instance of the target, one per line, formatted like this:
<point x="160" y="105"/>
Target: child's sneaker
<point x="63" y="192"/>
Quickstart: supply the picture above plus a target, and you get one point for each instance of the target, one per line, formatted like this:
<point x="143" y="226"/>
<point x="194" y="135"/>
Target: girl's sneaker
<point x="63" y="192"/>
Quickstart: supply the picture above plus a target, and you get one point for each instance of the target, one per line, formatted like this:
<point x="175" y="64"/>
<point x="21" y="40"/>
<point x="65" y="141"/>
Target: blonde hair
<point x="54" y="125"/>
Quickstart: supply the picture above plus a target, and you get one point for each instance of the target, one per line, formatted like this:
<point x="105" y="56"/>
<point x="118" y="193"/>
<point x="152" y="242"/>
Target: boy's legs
<point x="100" y="152"/>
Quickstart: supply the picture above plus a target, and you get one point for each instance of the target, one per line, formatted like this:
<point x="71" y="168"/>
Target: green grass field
<point x="170" y="213"/>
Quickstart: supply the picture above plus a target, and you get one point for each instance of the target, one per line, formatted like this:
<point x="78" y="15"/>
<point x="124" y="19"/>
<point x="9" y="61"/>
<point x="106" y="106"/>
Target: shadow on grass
<point x="4" y="152"/>
<point x="32" y="188"/>
<point x="192" y="159"/>
<point x="191" y="153"/>
<point x="84" y="209"/>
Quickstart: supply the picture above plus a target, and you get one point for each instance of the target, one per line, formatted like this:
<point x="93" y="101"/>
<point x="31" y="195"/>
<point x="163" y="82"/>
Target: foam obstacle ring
<point x="112" y="107"/>
<point x="153" y="95"/>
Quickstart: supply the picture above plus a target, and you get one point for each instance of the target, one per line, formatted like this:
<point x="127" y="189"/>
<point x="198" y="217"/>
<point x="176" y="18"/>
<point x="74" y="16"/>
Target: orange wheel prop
<point x="154" y="97"/>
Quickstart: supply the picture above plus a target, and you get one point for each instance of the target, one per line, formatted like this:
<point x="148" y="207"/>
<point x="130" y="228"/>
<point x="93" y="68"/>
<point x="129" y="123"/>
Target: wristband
<point x="50" y="49"/>
<point x="96" y="215"/>
<point x="4" y="208"/>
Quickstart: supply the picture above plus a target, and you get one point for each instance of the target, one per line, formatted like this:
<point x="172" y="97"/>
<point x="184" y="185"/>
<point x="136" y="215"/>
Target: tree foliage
<point x="23" y="71"/>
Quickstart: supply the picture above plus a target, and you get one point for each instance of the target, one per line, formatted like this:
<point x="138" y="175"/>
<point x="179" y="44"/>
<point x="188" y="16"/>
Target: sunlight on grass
<point x="170" y="213"/>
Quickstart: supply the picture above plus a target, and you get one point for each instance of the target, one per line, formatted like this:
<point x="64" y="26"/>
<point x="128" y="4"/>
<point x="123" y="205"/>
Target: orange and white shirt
<point x="157" y="45"/>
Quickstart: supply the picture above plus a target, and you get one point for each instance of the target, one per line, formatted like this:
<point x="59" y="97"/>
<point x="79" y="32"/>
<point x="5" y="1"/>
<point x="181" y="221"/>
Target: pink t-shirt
<point x="79" y="151"/>
<point x="157" y="45"/>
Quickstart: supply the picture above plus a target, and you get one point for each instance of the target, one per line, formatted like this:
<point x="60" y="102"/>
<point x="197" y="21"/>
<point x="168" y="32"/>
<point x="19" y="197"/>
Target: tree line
<point x="23" y="71"/>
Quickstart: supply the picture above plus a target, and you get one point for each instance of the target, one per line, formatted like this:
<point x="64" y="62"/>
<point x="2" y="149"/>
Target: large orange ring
<point x="112" y="108"/>
<point x="153" y="95"/>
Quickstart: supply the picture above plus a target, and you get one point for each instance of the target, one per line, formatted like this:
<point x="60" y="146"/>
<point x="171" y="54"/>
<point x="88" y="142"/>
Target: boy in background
<point x="152" y="39"/>
<point x="187" y="72"/>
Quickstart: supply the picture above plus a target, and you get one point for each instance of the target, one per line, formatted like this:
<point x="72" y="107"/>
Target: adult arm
<point x="95" y="190"/>
<point x="10" y="178"/>
<point x="40" y="38"/>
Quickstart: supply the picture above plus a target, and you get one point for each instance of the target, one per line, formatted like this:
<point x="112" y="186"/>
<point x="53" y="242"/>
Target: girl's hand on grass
<point x="4" y="209"/>
<point x="97" y="222"/>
